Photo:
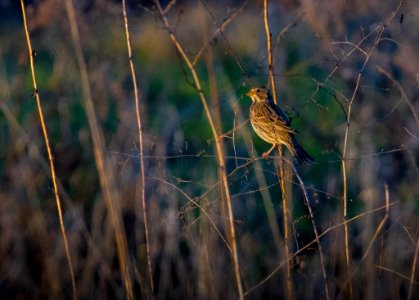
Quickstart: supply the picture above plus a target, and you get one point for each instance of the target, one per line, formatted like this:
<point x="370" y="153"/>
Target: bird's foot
<point x="265" y="155"/>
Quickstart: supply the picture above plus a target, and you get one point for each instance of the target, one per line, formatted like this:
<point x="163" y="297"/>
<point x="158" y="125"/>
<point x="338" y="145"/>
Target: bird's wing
<point x="278" y="117"/>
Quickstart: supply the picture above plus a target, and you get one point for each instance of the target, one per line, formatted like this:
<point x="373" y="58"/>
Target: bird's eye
<point x="257" y="90"/>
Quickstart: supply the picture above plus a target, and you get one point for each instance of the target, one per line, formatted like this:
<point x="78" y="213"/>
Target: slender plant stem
<point x="316" y="233"/>
<point x="105" y="177"/>
<point x="140" y="140"/>
<point x="310" y="244"/>
<point x="345" y="218"/>
<point x="219" y="150"/>
<point x="261" y="180"/>
<point x="216" y="110"/>
<point x="201" y="208"/>
<point x="281" y="173"/>
<point x="374" y="237"/>
<point x="49" y="151"/>
<point x="317" y="236"/>
<point x="287" y="232"/>
<point x="219" y="30"/>
<point x="413" y="272"/>
<point x="344" y="159"/>
<point x="269" y="44"/>
<point x="402" y="92"/>
<point x="169" y="6"/>
<point x="379" y="31"/>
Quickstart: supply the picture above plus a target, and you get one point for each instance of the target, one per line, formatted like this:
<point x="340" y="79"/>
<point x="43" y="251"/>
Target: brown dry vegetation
<point x="347" y="72"/>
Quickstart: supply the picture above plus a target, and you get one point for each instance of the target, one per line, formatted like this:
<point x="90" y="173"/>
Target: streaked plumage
<point x="273" y="126"/>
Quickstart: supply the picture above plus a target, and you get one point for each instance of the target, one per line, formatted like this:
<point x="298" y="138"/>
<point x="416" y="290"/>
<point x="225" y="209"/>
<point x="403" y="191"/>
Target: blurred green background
<point x="319" y="48"/>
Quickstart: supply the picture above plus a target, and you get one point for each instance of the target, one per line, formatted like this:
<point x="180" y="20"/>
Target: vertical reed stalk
<point x="105" y="177"/>
<point x="316" y="233"/>
<point x="269" y="46"/>
<point x="140" y="140"/>
<point x="413" y="272"/>
<point x="379" y="30"/>
<point x="49" y="151"/>
<point x="280" y="166"/>
<point x="373" y="238"/>
<point x="216" y="110"/>
<point x="219" y="150"/>
<point x="344" y="158"/>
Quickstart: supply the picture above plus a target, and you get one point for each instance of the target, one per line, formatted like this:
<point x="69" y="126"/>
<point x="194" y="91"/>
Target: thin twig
<point x="316" y="233"/>
<point x="284" y="31"/>
<point x="169" y="6"/>
<point x="379" y="30"/>
<point x="397" y="273"/>
<point x="381" y="225"/>
<point x="308" y="245"/>
<point x="374" y="237"/>
<point x="241" y="66"/>
<point x="339" y="63"/>
<point x="351" y="44"/>
<point x="402" y="92"/>
<point x="105" y="177"/>
<point x="49" y="151"/>
<point x="233" y="130"/>
<point x="219" y="30"/>
<point x="219" y="150"/>
<point x="412" y="274"/>
<point x="344" y="155"/>
<point x="197" y="205"/>
<point x="233" y="135"/>
<point x="140" y="140"/>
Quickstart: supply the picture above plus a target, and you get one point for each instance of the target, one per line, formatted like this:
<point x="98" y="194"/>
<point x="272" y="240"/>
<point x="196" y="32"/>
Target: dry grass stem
<point x="374" y="237"/>
<point x="310" y="244"/>
<point x="412" y="274"/>
<point x="316" y="233"/>
<point x="286" y="211"/>
<point x="140" y="140"/>
<point x="195" y="203"/>
<point x="261" y="182"/>
<point x="269" y="46"/>
<point x="105" y="177"/>
<point x="402" y="92"/>
<point x="49" y="151"/>
<point x="220" y="154"/>
<point x="143" y="140"/>
<point x="379" y="32"/>
<point x="219" y="30"/>
<point x="397" y="273"/>
<point x="281" y="173"/>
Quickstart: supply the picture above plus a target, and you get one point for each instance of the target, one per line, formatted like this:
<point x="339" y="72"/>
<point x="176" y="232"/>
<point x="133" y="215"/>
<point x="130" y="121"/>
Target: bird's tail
<point x="301" y="155"/>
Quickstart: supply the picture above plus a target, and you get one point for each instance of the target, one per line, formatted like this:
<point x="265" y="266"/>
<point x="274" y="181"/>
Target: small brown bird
<point x="273" y="126"/>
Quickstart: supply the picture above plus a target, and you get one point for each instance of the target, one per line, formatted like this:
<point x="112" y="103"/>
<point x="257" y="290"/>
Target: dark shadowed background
<point x="319" y="50"/>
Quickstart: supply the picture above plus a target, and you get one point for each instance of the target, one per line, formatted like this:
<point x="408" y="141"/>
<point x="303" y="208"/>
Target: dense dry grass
<point x="347" y="74"/>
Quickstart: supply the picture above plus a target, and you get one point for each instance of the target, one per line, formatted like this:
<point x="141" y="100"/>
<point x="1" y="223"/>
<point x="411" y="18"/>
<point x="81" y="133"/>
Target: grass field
<point x="129" y="170"/>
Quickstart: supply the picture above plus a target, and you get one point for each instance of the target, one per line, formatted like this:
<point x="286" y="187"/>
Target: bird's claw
<point x="265" y="155"/>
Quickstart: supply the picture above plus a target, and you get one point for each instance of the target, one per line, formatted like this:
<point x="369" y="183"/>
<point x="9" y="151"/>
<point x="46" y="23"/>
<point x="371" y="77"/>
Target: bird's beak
<point x="250" y="93"/>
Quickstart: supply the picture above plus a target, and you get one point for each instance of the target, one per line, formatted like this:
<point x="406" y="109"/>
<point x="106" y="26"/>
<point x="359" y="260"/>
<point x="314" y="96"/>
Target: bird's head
<point x="259" y="94"/>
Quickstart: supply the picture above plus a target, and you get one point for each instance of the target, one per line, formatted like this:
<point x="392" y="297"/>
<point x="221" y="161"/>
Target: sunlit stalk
<point x="49" y="151"/>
